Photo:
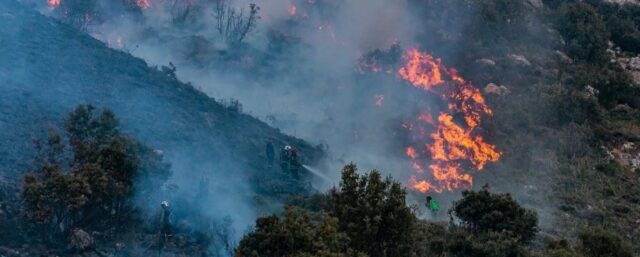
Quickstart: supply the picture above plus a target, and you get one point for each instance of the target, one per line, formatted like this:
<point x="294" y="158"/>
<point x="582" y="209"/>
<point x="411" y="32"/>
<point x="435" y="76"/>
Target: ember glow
<point x="292" y="9"/>
<point x="143" y="4"/>
<point x="447" y="146"/>
<point x="53" y="3"/>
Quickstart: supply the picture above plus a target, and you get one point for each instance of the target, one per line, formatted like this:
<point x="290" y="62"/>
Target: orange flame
<point x="53" y="3"/>
<point x="452" y="146"/>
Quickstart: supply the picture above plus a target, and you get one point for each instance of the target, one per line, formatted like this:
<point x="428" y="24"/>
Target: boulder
<point x="564" y="57"/>
<point x="494" y="89"/>
<point x="487" y="62"/>
<point x="519" y="59"/>
<point x="80" y="240"/>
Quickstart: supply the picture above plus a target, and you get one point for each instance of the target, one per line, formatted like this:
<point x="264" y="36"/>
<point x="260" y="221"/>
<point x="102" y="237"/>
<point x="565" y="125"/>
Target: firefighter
<point x="433" y="206"/>
<point x="165" y="218"/>
<point x="285" y="158"/>
<point x="165" y="224"/>
<point x="270" y="155"/>
<point x="294" y="164"/>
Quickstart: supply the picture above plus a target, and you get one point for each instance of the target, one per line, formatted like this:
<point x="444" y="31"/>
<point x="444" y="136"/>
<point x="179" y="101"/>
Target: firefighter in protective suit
<point x="433" y="206"/>
<point x="289" y="160"/>
<point x="165" y="225"/>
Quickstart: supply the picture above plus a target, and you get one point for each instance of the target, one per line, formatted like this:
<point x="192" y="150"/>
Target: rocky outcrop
<point x="628" y="154"/>
<point x="80" y="240"/>
<point x="631" y="65"/>
<point x="519" y="59"/>
<point x="623" y="1"/>
<point x="494" y="89"/>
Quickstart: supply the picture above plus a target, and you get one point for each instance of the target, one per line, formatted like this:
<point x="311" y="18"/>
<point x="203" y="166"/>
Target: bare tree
<point x="180" y="11"/>
<point x="233" y="25"/>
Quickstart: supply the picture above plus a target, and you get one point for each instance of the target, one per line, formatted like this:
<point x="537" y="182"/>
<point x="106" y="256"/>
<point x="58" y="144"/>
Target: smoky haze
<point x="297" y="70"/>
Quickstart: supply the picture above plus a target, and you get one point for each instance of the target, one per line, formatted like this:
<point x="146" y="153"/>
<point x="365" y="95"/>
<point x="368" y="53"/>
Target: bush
<point x="89" y="185"/>
<point x="483" y="212"/>
<point x="597" y="242"/>
<point x="296" y="234"/>
<point x="584" y="31"/>
<point x="368" y="216"/>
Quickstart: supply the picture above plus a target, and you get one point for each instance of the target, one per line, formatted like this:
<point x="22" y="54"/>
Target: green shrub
<point x="597" y="242"/>
<point x="585" y="33"/>
<point x="485" y="212"/>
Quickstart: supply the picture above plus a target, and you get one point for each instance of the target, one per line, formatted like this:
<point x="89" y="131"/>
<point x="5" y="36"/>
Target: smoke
<point x="310" y="89"/>
<point x="297" y="70"/>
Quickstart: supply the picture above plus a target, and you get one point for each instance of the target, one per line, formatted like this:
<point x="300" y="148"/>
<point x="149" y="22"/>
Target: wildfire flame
<point x="143" y="4"/>
<point x="453" y="145"/>
<point x="53" y="3"/>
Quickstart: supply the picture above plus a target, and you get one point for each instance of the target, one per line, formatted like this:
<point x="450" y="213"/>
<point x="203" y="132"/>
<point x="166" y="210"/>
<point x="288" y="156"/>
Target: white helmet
<point x="287" y="148"/>
<point x="164" y="204"/>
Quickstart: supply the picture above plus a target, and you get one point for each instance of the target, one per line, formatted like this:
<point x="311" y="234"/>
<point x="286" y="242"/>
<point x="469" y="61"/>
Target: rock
<point x="632" y="66"/>
<point x="487" y="62"/>
<point x="505" y="90"/>
<point x="519" y="59"/>
<point x="628" y="155"/>
<point x="80" y="240"/>
<point x="634" y="63"/>
<point x="591" y="91"/>
<point x="492" y="88"/>
<point x="622" y="2"/>
<point x="564" y="57"/>
<point x="5" y="251"/>
<point x="624" y="108"/>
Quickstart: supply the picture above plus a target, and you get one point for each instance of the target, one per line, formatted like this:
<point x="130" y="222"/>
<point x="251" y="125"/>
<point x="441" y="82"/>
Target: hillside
<point x="489" y="127"/>
<point x="47" y="68"/>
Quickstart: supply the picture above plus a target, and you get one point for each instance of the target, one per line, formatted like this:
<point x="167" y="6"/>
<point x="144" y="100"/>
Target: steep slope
<point x="47" y="68"/>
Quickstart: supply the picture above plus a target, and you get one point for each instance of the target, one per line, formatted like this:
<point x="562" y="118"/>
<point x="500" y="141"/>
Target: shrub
<point x="89" y="185"/>
<point x="597" y="242"/>
<point x="484" y="212"/>
<point x="584" y="31"/>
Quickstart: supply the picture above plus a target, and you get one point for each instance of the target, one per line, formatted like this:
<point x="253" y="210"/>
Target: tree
<point x="295" y="234"/>
<point x="77" y="13"/>
<point x="597" y="242"/>
<point x="585" y="32"/>
<point x="232" y="24"/>
<point x="484" y="212"/>
<point x="373" y="213"/>
<point x="91" y="184"/>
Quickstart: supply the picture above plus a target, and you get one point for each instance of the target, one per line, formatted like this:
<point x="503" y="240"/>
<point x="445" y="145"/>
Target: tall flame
<point x="453" y="145"/>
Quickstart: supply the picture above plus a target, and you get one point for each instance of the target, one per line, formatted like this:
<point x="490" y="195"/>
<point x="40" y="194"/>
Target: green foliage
<point x="373" y="213"/>
<point x="92" y="188"/>
<point x="561" y="248"/>
<point x="585" y="33"/>
<point x="597" y="242"/>
<point x="296" y="234"/>
<point x="495" y="244"/>
<point x="368" y="215"/>
<point x="623" y="23"/>
<point x="484" y="212"/>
